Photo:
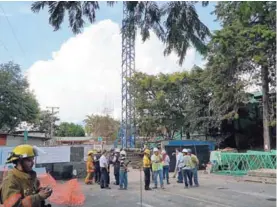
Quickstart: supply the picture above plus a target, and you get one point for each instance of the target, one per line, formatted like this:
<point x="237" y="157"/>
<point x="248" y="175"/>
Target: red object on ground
<point x="68" y="193"/>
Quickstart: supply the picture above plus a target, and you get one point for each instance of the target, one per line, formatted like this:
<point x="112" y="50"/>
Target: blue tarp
<point x="180" y="143"/>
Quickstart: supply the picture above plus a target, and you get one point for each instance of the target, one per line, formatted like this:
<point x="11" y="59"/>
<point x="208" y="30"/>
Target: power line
<point x="14" y="34"/>
<point x="4" y="46"/>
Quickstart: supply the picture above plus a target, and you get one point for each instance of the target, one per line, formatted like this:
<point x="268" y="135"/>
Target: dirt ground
<point x="214" y="191"/>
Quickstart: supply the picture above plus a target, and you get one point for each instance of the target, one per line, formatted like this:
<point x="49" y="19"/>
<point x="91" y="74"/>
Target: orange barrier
<point x="47" y="180"/>
<point x="68" y="193"/>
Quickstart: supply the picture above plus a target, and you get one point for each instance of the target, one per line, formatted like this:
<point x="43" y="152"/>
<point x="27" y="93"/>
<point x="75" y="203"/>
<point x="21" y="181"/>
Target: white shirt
<point x="180" y="160"/>
<point x="103" y="161"/>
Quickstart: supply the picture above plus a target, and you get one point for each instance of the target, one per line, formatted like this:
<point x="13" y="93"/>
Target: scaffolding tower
<point x="128" y="130"/>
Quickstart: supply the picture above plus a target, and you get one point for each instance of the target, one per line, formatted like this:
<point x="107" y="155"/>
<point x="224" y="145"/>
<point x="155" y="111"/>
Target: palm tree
<point x="181" y="29"/>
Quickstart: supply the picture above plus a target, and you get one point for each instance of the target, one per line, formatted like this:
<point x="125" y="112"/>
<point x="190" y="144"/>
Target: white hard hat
<point x="123" y="152"/>
<point x="155" y="150"/>
<point x="184" y="150"/>
<point x="163" y="152"/>
<point x="117" y="150"/>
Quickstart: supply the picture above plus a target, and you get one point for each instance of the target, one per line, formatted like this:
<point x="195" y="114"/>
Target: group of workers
<point x="157" y="164"/>
<point x="22" y="188"/>
<point x="186" y="166"/>
<point x="98" y="168"/>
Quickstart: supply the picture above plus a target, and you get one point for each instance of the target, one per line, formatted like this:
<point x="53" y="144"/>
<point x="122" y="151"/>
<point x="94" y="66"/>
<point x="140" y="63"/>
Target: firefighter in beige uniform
<point x="20" y="188"/>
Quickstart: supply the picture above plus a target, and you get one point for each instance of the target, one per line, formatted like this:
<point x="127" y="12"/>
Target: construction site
<point x="229" y="179"/>
<point x="203" y="121"/>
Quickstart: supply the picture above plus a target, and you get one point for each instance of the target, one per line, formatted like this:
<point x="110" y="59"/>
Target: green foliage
<point x="167" y="103"/>
<point x="17" y="103"/>
<point x="102" y="126"/>
<point x="181" y="29"/>
<point x="70" y="130"/>
<point x="246" y="43"/>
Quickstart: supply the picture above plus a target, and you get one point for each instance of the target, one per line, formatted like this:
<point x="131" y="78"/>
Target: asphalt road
<point x="215" y="191"/>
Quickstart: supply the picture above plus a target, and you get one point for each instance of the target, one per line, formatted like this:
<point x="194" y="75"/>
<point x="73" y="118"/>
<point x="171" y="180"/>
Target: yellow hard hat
<point x="21" y="152"/>
<point x="147" y="151"/>
<point x="90" y="152"/>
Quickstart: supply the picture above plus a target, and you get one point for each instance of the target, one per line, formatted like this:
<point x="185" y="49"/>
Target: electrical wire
<point x="13" y="32"/>
<point x="4" y="46"/>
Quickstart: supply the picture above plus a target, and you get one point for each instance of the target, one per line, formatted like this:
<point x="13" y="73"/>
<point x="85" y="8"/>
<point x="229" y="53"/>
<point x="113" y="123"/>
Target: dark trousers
<point x="104" y="178"/>
<point x="152" y="174"/>
<point x="116" y="176"/>
<point x="147" y="175"/>
<point x="97" y="175"/>
<point x="187" y="175"/>
<point x="108" y="178"/>
<point x="180" y="175"/>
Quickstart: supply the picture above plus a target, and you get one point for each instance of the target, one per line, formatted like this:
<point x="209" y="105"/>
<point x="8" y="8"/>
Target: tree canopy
<point x="66" y="129"/>
<point x="181" y="29"/>
<point x="202" y="100"/>
<point x="246" y="45"/>
<point x="168" y="103"/>
<point x="102" y="126"/>
<point x="17" y="103"/>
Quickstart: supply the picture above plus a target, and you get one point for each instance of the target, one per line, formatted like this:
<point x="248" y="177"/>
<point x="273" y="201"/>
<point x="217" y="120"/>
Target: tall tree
<point x="17" y="103"/>
<point x="181" y="29"/>
<point x="70" y="130"/>
<point x="158" y="101"/>
<point x="168" y="103"/>
<point x="246" y="45"/>
<point x="103" y="126"/>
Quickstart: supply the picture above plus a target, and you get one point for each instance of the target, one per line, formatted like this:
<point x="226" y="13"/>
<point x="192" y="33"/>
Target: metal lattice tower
<point x="128" y="68"/>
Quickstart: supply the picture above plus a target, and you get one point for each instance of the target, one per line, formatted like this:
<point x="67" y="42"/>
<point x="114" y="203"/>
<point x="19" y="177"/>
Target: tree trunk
<point x="265" y="91"/>
<point x="188" y="135"/>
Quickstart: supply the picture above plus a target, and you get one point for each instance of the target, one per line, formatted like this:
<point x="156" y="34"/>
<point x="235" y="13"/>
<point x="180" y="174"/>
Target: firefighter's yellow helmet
<point x="147" y="151"/>
<point x="90" y="152"/>
<point x="21" y="152"/>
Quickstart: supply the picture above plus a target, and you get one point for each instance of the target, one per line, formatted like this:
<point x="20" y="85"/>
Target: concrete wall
<point x="77" y="162"/>
<point x="17" y="140"/>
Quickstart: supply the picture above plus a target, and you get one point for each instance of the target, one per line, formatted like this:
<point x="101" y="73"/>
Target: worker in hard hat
<point x="21" y="186"/>
<point x="179" y="165"/>
<point x="116" y="164"/>
<point x="146" y="169"/>
<point x="195" y="164"/>
<point x="157" y="168"/>
<point x="97" y="172"/>
<point x="165" y="162"/>
<point x="123" y="171"/>
<point x="90" y="168"/>
<point x="104" y="182"/>
<point x="187" y="169"/>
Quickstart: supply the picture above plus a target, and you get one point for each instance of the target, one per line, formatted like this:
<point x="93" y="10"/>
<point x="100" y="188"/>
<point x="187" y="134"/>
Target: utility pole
<point x="53" y="112"/>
